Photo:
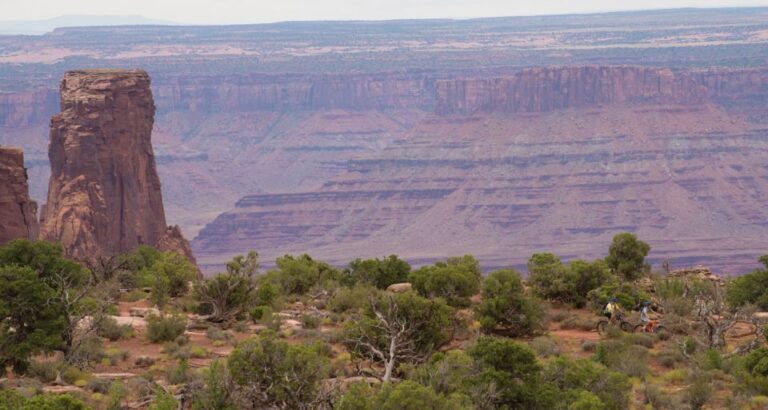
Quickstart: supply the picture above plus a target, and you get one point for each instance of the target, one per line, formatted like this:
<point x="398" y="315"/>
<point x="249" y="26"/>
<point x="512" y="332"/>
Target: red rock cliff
<point x="104" y="194"/>
<point x="18" y="214"/>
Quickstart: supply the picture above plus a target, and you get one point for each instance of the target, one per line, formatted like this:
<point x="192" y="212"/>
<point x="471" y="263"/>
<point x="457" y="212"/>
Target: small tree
<point x="511" y="367"/>
<point x="229" y="294"/>
<point x="297" y="275"/>
<point x="401" y="328"/>
<point x="271" y="373"/>
<point x="626" y="256"/>
<point x="375" y="272"/>
<point x="31" y="322"/>
<point x="751" y="288"/>
<point x="506" y="309"/>
<point x="454" y="280"/>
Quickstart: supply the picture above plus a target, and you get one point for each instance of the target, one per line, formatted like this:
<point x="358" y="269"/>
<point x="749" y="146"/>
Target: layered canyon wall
<point x="18" y="213"/>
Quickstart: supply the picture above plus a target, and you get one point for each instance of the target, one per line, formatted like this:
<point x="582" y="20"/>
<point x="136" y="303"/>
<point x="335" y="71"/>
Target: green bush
<point x="552" y="280"/>
<point x="623" y="357"/>
<point x="11" y="399"/>
<point x="54" y="402"/>
<point x="278" y="372"/>
<point x="610" y="387"/>
<point x="626" y="256"/>
<point x="454" y="280"/>
<point x="310" y="322"/>
<point x="297" y="275"/>
<point x="44" y="370"/>
<point x="506" y="309"/>
<point x="375" y="272"/>
<point x="351" y="299"/>
<point x="165" y="328"/>
<point x="261" y="314"/>
<point x="751" y="288"/>
<point x="164" y="401"/>
<point x="544" y="346"/>
<point x="107" y="327"/>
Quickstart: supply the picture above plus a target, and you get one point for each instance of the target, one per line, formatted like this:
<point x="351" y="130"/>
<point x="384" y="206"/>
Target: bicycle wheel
<point x="626" y="326"/>
<point x="639" y="328"/>
<point x="602" y="327"/>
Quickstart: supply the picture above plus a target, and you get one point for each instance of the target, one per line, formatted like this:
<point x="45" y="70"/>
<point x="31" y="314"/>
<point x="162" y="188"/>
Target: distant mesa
<point x="104" y="194"/>
<point x="18" y="213"/>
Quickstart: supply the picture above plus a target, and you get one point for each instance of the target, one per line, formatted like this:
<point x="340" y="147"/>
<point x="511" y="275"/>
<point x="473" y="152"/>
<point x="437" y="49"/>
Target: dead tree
<point x="229" y="293"/>
<point x="712" y="311"/>
<point x="387" y="336"/>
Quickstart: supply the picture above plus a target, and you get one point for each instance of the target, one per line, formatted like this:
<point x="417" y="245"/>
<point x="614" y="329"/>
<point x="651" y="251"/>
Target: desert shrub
<point x="553" y="280"/>
<point x="107" y="327"/>
<point x="198" y="352"/>
<point x="54" y="402"/>
<point x="710" y="359"/>
<point x="559" y="316"/>
<point x="750" y="288"/>
<point x="406" y="395"/>
<point x="699" y="390"/>
<point x="351" y="299"/>
<point x="180" y="373"/>
<point x="116" y="355"/>
<point x="261" y="313"/>
<point x="71" y="374"/>
<point x="167" y="274"/>
<point x="228" y="295"/>
<point x="297" y="275"/>
<point x="513" y="369"/>
<point x="165" y="328"/>
<point x="214" y="333"/>
<point x="544" y="346"/>
<point x="675" y="377"/>
<point x="584" y="400"/>
<point x="627" y="294"/>
<point x="415" y="326"/>
<point x="98" y="385"/>
<point x="217" y="391"/>
<point x="271" y="371"/>
<point x="641" y="339"/>
<point x="266" y="293"/>
<point x="375" y="272"/>
<point x="622" y="357"/>
<point x="164" y="401"/>
<point x="579" y="323"/>
<point x="44" y="370"/>
<point x="588" y="346"/>
<point x="626" y="256"/>
<point x="569" y="375"/>
<point x="11" y="399"/>
<point x="454" y="280"/>
<point x="310" y="321"/>
<point x="445" y="372"/>
<point x="676" y="324"/>
<point x="506" y="308"/>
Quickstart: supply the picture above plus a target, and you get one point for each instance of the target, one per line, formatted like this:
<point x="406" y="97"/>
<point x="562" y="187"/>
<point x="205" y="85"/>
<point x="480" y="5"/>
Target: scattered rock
<point x="291" y="324"/>
<point x="145" y="361"/>
<point x="399" y="287"/>
<point x="143" y="312"/>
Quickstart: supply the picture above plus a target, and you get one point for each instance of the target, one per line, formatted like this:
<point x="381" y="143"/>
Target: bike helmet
<point x="613" y="299"/>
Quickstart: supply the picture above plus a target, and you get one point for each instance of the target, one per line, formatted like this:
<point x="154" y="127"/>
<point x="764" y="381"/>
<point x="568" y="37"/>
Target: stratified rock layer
<point x="18" y="213"/>
<point x="104" y="194"/>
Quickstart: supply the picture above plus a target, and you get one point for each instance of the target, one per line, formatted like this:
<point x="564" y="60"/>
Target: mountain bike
<point x="604" y="324"/>
<point x="653" y="327"/>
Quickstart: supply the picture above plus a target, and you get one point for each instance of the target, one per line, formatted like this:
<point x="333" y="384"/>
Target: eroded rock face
<point x="104" y="193"/>
<point x="173" y="241"/>
<point x="18" y="213"/>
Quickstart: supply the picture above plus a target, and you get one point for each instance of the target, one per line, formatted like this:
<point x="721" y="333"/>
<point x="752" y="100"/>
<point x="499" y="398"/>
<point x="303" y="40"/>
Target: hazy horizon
<point x="247" y="12"/>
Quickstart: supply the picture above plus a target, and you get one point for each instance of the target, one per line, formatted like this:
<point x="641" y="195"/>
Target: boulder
<point x="399" y="287"/>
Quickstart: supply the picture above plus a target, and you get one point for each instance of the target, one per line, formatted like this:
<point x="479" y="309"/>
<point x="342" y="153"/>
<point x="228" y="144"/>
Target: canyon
<point x="497" y="137"/>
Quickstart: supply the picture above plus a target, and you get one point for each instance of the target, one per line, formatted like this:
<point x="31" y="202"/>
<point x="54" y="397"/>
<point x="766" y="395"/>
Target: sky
<point x="260" y="11"/>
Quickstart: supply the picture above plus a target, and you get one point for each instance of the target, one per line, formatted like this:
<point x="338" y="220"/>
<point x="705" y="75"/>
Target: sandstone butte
<point x="104" y="193"/>
<point x="18" y="213"/>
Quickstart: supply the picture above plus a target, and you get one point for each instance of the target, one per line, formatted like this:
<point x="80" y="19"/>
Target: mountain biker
<point x="644" y="317"/>
<point x="612" y="310"/>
